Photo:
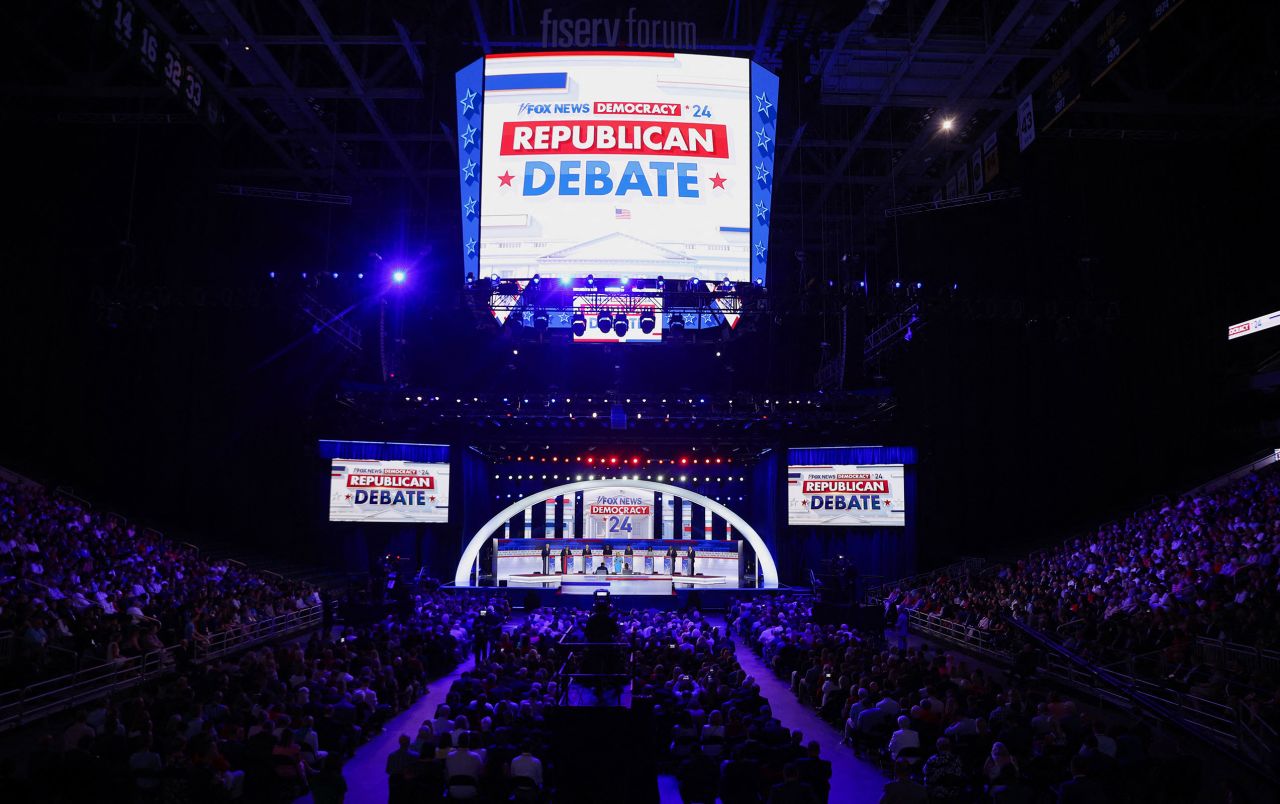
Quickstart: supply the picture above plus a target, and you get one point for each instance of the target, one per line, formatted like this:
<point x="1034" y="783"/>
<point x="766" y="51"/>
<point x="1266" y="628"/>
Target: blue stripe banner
<point x="499" y="83"/>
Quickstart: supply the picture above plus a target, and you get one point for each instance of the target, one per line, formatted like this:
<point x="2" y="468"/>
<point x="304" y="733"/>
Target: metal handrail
<point x="878" y="592"/>
<point x="50" y="696"/>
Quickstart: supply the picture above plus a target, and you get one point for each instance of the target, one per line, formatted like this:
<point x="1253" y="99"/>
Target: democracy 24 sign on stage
<point x="846" y="495"/>
<point x="388" y="491"/>
<point x="616" y="164"/>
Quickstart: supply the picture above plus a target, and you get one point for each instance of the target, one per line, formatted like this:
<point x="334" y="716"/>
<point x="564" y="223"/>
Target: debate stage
<point x="580" y="584"/>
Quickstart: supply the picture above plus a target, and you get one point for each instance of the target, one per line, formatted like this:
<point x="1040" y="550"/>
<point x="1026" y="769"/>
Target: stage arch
<point x="764" y="558"/>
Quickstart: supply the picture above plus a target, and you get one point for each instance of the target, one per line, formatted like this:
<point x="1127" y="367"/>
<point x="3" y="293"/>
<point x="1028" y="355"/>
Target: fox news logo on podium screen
<point x="846" y="495"/>
<point x="388" y="491"/>
<point x="616" y="164"/>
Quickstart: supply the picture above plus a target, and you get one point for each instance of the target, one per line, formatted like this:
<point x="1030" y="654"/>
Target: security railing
<point x="970" y="637"/>
<point x="1221" y="653"/>
<point x="50" y="696"/>
<point x="879" y="592"/>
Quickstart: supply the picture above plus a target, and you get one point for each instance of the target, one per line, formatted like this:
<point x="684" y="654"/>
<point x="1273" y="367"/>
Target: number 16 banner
<point x="618" y="513"/>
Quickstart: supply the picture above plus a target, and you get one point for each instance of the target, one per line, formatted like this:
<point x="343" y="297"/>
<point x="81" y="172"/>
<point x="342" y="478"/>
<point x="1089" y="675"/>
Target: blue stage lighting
<point x="605" y="321"/>
<point x="662" y="283"/>
<point x="398" y="277"/>
<point x="759" y="281"/>
<point x="564" y="280"/>
<point x="620" y="326"/>
<point x="624" y="280"/>
<point x="537" y="279"/>
<point x="647" y="321"/>
<point x="579" y="326"/>
<point x="272" y="274"/>
<point x="335" y="274"/>
<point x="359" y="276"/>
<point x="919" y="285"/>
<point x="676" y="323"/>
<point x="897" y="284"/>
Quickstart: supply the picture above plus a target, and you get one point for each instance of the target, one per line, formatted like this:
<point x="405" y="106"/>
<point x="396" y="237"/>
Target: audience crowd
<point x="949" y="730"/>
<point x="272" y="723"/>
<point x="79" y="587"/>
<point x="1139" y="592"/>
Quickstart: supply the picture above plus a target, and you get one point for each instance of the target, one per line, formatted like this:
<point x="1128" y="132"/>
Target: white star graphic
<point x="469" y="137"/>
<point x="469" y="102"/>
<point x="762" y="212"/>
<point x="763" y="140"/>
<point x="564" y="318"/>
<point x="762" y="104"/>
<point x="471" y="247"/>
<point x="469" y="170"/>
<point x="708" y="320"/>
<point x="762" y="173"/>
<point x="470" y="207"/>
<point x="760" y="249"/>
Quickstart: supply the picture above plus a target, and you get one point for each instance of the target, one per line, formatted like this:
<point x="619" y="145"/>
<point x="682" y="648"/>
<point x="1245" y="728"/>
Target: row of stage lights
<point x="683" y="478"/>
<point x="614" y="460"/>
<point x="591" y="401"/>
<point x="398" y="276"/>
<point x="717" y="499"/>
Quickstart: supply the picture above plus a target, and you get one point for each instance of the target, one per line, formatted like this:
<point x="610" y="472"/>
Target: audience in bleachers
<point x="100" y="590"/>
<point x="274" y="721"/>
<point x="950" y="727"/>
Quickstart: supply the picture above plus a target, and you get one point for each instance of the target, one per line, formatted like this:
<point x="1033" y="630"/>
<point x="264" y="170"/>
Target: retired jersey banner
<point x="388" y="491"/>
<point x="617" y="513"/>
<point x="846" y="495"/>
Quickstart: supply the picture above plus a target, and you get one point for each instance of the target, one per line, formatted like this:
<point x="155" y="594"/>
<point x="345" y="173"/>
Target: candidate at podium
<point x="628" y="555"/>
<point x="566" y="560"/>
<point x="609" y="560"/>
<point x="546" y="559"/>
<point x="671" y="555"/>
<point x="689" y="556"/>
<point x="586" y="558"/>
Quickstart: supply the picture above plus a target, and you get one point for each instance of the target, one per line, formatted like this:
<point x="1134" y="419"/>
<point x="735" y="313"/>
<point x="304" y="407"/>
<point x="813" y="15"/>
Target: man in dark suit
<point x="672" y="555"/>
<point x="586" y="558"/>
<point x="691" y="554"/>
<point x="546" y="559"/>
<point x="1081" y="788"/>
<point x="815" y="772"/>
<point x="628" y="554"/>
<point x="791" y="790"/>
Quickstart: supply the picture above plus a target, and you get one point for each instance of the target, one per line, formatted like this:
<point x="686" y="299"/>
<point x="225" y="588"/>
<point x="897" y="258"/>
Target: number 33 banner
<point x="618" y="513"/>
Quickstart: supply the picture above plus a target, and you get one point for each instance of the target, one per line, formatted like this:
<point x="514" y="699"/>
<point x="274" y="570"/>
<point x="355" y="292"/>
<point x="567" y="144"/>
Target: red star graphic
<point x="432" y="498"/>
<point x="716" y="181"/>
<point x="505" y="178"/>
<point x="348" y="496"/>
<point x="804" y="503"/>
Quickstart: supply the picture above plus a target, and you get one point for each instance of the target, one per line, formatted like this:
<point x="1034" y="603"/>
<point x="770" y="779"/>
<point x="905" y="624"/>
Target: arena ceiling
<point x="352" y="103"/>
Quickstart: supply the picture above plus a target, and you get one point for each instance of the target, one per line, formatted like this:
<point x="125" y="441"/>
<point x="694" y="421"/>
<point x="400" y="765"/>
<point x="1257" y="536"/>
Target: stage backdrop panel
<point x="388" y="491"/>
<point x="846" y="495"/>
<point x="617" y="513"/>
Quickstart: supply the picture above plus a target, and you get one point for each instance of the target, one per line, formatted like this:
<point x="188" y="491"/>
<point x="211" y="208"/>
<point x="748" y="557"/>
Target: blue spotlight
<point x="359" y="276"/>
<point x="897" y="285"/>
<point x="272" y="274"/>
<point x="662" y="283"/>
<point x="564" y="280"/>
<point x="335" y="274"/>
<point x="399" y="276"/>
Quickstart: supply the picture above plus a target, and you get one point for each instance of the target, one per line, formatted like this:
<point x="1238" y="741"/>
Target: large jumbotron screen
<point x="388" y="491"/>
<point x="846" y="495"/>
<point x="617" y="164"/>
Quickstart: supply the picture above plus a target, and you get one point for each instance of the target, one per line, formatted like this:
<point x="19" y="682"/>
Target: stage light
<point x="594" y="414"/>
<point x="514" y="352"/>
<point x="335" y="274"/>
<point x="541" y="320"/>
<point x="862" y="283"/>
<point x="620" y="327"/>
<point x="398" y="277"/>
<point x="919" y="285"/>
<point x="662" y="283"/>
<point x="624" y="281"/>
<point x="604" y="321"/>
<point x="564" y="280"/>
<point x="613" y="460"/>
<point x="579" y="326"/>
<point x="359" y="276"/>
<point x="717" y="354"/>
<point x="676" y="325"/>
<point x="272" y="274"/>
<point x="948" y="123"/>
<point x="591" y="280"/>
<point x="683" y="478"/>
<point x="759" y="282"/>
<point x="493" y="278"/>
<point x="647" y="321"/>
<point x="537" y="280"/>
<point x="684" y="461"/>
<point x="897" y="285"/>
<point x="304" y="274"/>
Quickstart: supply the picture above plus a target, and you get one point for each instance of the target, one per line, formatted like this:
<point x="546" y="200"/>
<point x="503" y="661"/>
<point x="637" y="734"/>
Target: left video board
<point x="388" y="491"/>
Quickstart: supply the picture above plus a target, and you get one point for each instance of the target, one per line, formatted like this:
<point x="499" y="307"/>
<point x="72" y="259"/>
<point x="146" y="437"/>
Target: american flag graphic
<point x="621" y="214"/>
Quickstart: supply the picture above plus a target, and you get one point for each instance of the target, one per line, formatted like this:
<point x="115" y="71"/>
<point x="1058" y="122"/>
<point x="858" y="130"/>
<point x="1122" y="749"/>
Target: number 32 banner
<point x="618" y="513"/>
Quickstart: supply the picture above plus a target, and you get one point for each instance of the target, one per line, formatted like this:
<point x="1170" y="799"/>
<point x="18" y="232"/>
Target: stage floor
<point x="578" y="584"/>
